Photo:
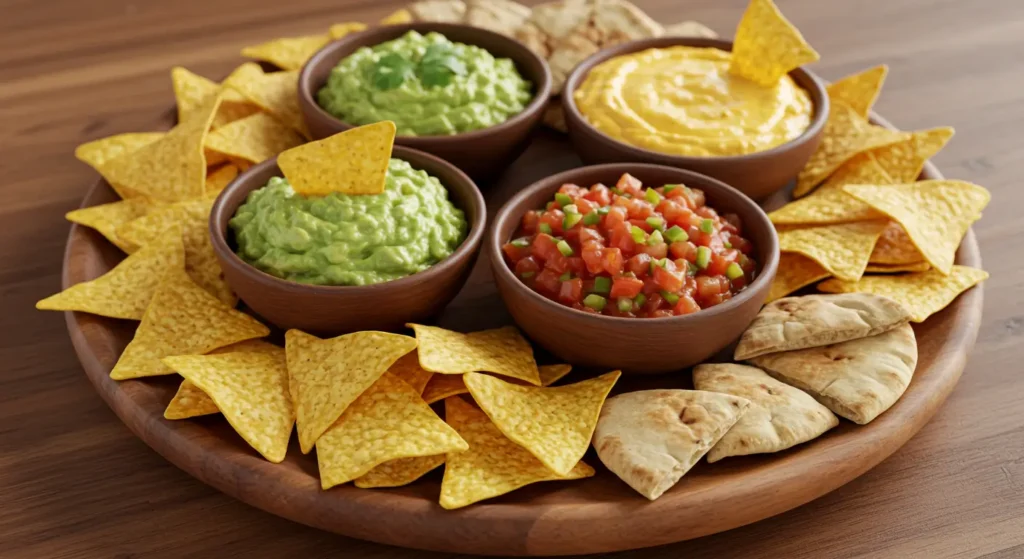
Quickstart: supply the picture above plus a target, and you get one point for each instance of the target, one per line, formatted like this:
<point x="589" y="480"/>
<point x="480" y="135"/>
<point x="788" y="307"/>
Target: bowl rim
<point x="803" y="77"/>
<point x="218" y="224"/>
<point x="541" y="86"/>
<point x="500" y="267"/>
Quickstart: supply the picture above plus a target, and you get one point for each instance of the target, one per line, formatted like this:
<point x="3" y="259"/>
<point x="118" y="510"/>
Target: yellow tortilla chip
<point x="550" y="374"/>
<point x="895" y="247"/>
<point x="276" y="93"/>
<point x="408" y="369"/>
<point x="501" y="351"/>
<point x="921" y="266"/>
<point x="553" y="423"/>
<point x="328" y="375"/>
<point x="351" y="162"/>
<point x="923" y="294"/>
<point x="182" y="319"/>
<point x="251" y="390"/>
<point x="255" y="138"/>
<point x="767" y="46"/>
<point x="99" y="153"/>
<point x="387" y="422"/>
<point x="846" y="135"/>
<point x="190" y="91"/>
<point x="443" y="386"/>
<point x="493" y="465"/>
<point x="218" y="179"/>
<point x="829" y="204"/>
<point x="397" y="17"/>
<point x="843" y="249"/>
<point x="795" y="272"/>
<point x="396" y="473"/>
<point x="903" y="161"/>
<point x="106" y="218"/>
<point x="127" y="289"/>
<point x="339" y="30"/>
<point x="172" y="168"/>
<point x="191" y="401"/>
<point x="287" y="53"/>
<point x="859" y="91"/>
<point x="935" y="214"/>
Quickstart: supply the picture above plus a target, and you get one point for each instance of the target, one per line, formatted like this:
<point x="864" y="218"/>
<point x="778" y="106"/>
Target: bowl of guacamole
<point x="467" y="95"/>
<point x="340" y="263"/>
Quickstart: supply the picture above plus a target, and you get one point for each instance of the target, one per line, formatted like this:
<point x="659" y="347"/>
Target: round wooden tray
<point x="600" y="514"/>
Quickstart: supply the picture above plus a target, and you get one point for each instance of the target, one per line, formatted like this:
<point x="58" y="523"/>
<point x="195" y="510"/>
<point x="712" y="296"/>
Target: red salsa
<point x="631" y="251"/>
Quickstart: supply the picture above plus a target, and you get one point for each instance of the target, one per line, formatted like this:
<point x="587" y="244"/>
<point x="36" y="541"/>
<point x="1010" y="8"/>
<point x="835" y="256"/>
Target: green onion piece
<point x="639" y="300"/>
<point x="602" y="284"/>
<point x="564" y="248"/>
<point x="703" y="257"/>
<point x="676" y="234"/>
<point x="595" y="302"/>
<point x="670" y="187"/>
<point x="603" y="210"/>
<point x="661" y="262"/>
<point x="565" y="277"/>
<point x="672" y="298"/>
<point x="592" y="218"/>
<point x="656" y="222"/>
<point x="625" y="304"/>
<point x="544" y="228"/>
<point x="655" y="238"/>
<point x="727" y="244"/>
<point x="563" y="199"/>
<point x="521" y="242"/>
<point x="570" y="220"/>
<point x="652" y="196"/>
<point x="527" y="275"/>
<point x="707" y="226"/>
<point x="638" y="234"/>
<point x="570" y="209"/>
<point x="734" y="271"/>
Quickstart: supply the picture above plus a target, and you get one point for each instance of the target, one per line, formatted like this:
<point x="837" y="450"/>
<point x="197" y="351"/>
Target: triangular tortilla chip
<point x="106" y="218"/>
<point x="182" y="319"/>
<point x="894" y="246"/>
<point x="903" y="161"/>
<point x="779" y="415"/>
<point x="795" y="271"/>
<point x="767" y="45"/>
<point x="99" y="153"/>
<point x="396" y="473"/>
<point x="922" y="294"/>
<point x="841" y="248"/>
<point x="553" y="423"/>
<point x="817" y="320"/>
<point x="501" y="351"/>
<point x="328" y="375"/>
<point x="190" y="91"/>
<point x="935" y="213"/>
<point x="218" y="179"/>
<point x="287" y="53"/>
<point x="191" y="401"/>
<point x="339" y="30"/>
<point x="858" y="379"/>
<point x="550" y="374"/>
<point x="387" y="422"/>
<point x="651" y="438"/>
<point x="251" y="390"/>
<point x="276" y="93"/>
<point x="921" y="266"/>
<point x="859" y="91"/>
<point x="127" y="289"/>
<point x="397" y="17"/>
<point x="408" y="369"/>
<point x="351" y="162"/>
<point x="829" y="204"/>
<point x="493" y="465"/>
<point x="255" y="138"/>
<point x="441" y="386"/>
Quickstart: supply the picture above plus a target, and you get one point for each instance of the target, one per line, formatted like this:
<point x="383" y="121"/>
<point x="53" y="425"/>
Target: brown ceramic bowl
<point x="482" y="153"/>
<point x="635" y="345"/>
<point x="331" y="310"/>
<point x="757" y="175"/>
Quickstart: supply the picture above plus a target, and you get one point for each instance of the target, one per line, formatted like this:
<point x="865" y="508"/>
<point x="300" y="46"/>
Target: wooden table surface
<point x="74" y="482"/>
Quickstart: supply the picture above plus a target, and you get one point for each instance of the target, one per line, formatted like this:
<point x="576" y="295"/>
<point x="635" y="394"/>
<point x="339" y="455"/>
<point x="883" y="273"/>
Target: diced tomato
<point x="654" y="302"/>
<point x="527" y="265"/>
<point x="739" y="283"/>
<point x="588" y="235"/>
<point x="685" y="305"/>
<point x="674" y="213"/>
<point x="668" y="277"/>
<point x="696" y="197"/>
<point x="554" y="220"/>
<point x="629" y="184"/>
<point x="720" y="262"/>
<point x="576" y="265"/>
<point x="639" y="265"/>
<point x="615" y="217"/>
<point x="700" y="238"/>
<point x="515" y="253"/>
<point x="678" y="193"/>
<point x="544" y="247"/>
<point x="625" y="286"/>
<point x="741" y="244"/>
<point x="717" y="299"/>
<point x="585" y="206"/>
<point x="547" y="282"/>
<point x="530" y="221"/>
<point x="622" y="239"/>
<point x="558" y="263"/>
<point x="641" y="224"/>
<point x="599" y="194"/>
<point x="659" y="250"/>
<point x="706" y="212"/>
<point x="571" y="291"/>
<point x="592" y="256"/>
<point x="683" y="249"/>
<point x="612" y="261"/>
<point x="711" y="285"/>
<point x="573" y="190"/>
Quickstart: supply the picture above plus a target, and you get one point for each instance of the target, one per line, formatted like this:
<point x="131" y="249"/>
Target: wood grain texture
<point x="75" y="482"/>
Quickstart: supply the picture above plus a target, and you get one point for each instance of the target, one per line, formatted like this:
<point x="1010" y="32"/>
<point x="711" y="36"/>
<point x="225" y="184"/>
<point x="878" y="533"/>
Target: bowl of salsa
<point x="641" y="267"/>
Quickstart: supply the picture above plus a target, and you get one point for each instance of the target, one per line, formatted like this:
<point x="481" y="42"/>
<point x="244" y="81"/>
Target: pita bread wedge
<point x="442" y="11"/>
<point x="815" y="320"/>
<point x="651" y="438"/>
<point x="858" y="379"/>
<point x="779" y="415"/>
<point x="551" y="22"/>
<point x="690" y="29"/>
<point x="500" y="16"/>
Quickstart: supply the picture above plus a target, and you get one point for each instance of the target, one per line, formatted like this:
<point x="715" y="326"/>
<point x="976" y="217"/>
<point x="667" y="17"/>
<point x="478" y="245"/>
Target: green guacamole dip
<point x="342" y="239"/>
<point x="427" y="85"/>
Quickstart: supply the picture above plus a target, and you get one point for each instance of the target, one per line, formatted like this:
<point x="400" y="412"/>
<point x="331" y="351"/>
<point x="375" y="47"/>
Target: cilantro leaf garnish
<point x="391" y="71"/>
<point x="439" y="65"/>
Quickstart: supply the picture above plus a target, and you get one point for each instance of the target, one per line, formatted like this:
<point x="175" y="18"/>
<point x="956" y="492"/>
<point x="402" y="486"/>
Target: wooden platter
<point x="600" y="514"/>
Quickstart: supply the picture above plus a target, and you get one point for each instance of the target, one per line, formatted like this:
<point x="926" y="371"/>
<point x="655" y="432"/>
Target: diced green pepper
<point x="564" y="248"/>
<point x="565" y="277"/>
<point x="563" y="199"/>
<point x="624" y="304"/>
<point x="656" y="223"/>
<point x="676" y="234"/>
<point x="595" y="302"/>
<point x="727" y="244"/>
<point x="592" y="218"/>
<point x="570" y="220"/>
<point x="521" y="242"/>
<point x="655" y="238"/>
<point x="670" y="187"/>
<point x="734" y="271"/>
<point x="527" y="275"/>
<point x="570" y="209"/>
<point x="638" y="234"/>
<point x="639" y="300"/>
<point x="661" y="262"/>
<point x="652" y="196"/>
<point x="703" y="257"/>
<point x="707" y="226"/>
<point x="602" y="285"/>
<point x="616" y="191"/>
<point x="544" y="228"/>
<point x="672" y="298"/>
<point x="603" y="210"/>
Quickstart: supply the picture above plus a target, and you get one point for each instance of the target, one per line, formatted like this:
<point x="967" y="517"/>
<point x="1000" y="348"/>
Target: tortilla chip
<point x="190" y="91"/>
<point x="779" y="416"/>
<point x="501" y="351"/>
<point x="500" y="16"/>
<point x="857" y="379"/>
<point x="550" y="374"/>
<point x="287" y="53"/>
<point x="328" y="375"/>
<point x="935" y="214"/>
<point x="276" y="93"/>
<point x="859" y="91"/>
<point x="396" y="473"/>
<point x="767" y="46"/>
<point x="339" y="30"/>
<point x="255" y="138"/>
<point x="397" y="17"/>
<point x="387" y="422"/>
<point x="846" y="135"/>
<point x="351" y="162"/>
<point x="106" y="218"/>
<point x="219" y="179"/>
<point x="127" y="289"/>
<point x="408" y="369"/>
<point x="651" y="438"/>
<point x="182" y="319"/>
<point x="251" y="390"/>
<point x="843" y="249"/>
<point x="903" y="161"/>
<point x="493" y="465"/>
<point x="689" y="29"/>
<point x="554" y="424"/>
<point x="443" y="386"/>
<point x="795" y="271"/>
<point x="442" y="11"/>
<point x="99" y="153"/>
<point x="191" y="401"/>
<point x="921" y="266"/>
<point x="923" y="294"/>
<point x="829" y="204"/>
<point x="895" y="247"/>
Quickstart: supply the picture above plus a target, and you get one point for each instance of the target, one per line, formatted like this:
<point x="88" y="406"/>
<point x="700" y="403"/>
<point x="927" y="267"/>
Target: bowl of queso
<point x="644" y="267"/>
<point x="467" y="95"/>
<point x="339" y="263"/>
<point x="673" y="101"/>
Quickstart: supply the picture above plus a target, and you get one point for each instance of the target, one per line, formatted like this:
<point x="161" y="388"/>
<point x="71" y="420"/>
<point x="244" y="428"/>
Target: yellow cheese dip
<point x="684" y="101"/>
